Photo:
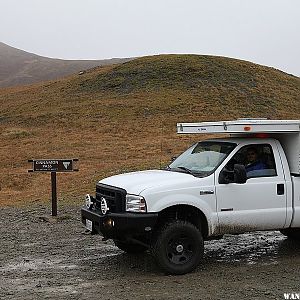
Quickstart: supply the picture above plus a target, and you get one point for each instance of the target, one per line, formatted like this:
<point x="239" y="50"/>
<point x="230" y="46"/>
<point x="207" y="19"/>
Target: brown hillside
<point x="18" y="67"/>
<point x="123" y="117"/>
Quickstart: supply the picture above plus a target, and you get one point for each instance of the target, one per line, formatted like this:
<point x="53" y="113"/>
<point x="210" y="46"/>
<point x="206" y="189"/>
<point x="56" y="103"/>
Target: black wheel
<point x="178" y="247"/>
<point x="292" y="233"/>
<point x="130" y="247"/>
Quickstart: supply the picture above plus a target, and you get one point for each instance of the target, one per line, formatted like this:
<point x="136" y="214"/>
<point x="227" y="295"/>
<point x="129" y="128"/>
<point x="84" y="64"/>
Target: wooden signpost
<point x="53" y="166"/>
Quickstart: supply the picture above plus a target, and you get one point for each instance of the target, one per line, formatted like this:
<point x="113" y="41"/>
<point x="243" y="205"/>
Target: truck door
<point x="258" y="204"/>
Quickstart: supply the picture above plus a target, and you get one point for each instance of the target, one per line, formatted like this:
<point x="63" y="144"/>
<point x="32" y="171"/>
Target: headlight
<point x="135" y="203"/>
<point x="89" y="201"/>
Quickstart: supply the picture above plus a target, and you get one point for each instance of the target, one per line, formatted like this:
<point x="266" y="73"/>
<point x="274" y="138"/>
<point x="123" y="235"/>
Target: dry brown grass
<point x="122" y="118"/>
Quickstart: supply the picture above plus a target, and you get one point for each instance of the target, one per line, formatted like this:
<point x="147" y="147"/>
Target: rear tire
<point x="130" y="247"/>
<point x="178" y="247"/>
<point x="291" y="233"/>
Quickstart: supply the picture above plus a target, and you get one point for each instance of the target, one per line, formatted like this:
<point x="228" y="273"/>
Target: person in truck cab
<point x="253" y="162"/>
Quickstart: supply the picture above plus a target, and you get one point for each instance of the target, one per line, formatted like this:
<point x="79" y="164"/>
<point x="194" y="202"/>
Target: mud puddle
<point x="56" y="260"/>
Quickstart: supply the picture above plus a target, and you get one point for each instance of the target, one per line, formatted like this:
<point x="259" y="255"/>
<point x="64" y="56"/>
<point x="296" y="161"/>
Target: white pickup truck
<point x="247" y="181"/>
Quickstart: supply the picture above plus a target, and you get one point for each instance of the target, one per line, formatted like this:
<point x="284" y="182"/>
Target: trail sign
<point x="53" y="166"/>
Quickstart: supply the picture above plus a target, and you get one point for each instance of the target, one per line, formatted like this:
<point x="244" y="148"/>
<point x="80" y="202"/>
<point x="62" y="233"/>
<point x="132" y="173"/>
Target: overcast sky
<point x="262" y="31"/>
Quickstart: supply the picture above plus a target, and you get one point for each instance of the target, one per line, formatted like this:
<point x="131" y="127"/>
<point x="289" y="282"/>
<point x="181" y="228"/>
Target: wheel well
<point x="186" y="213"/>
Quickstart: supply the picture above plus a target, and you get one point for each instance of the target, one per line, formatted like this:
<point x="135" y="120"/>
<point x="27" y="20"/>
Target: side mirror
<point x="226" y="176"/>
<point x="238" y="175"/>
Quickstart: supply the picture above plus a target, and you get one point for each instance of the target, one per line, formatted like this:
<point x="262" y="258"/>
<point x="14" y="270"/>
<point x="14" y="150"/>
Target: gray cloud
<point x="261" y="31"/>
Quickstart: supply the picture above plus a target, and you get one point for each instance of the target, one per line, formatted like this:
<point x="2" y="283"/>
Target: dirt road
<point x="42" y="258"/>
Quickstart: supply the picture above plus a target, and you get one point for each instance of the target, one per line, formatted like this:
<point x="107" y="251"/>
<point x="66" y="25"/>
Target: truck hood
<point x="137" y="182"/>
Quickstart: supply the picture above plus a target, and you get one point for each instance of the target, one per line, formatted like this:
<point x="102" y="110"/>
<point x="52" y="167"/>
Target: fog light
<point x="109" y="223"/>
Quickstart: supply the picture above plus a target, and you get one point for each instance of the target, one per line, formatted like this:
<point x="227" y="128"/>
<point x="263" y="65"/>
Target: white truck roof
<point x="241" y="126"/>
<point x="286" y="131"/>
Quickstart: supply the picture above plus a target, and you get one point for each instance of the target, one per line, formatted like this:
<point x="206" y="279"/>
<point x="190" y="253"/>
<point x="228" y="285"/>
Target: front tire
<point x="130" y="247"/>
<point x="178" y="247"/>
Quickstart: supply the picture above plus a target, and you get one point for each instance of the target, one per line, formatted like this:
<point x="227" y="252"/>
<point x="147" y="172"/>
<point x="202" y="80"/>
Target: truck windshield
<point x="203" y="158"/>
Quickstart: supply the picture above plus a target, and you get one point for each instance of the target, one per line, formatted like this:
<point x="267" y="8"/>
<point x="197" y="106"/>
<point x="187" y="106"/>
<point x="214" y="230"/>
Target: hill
<point x="123" y="117"/>
<point x="18" y="67"/>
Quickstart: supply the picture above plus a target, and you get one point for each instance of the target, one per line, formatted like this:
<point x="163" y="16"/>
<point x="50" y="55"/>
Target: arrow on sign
<point x="66" y="164"/>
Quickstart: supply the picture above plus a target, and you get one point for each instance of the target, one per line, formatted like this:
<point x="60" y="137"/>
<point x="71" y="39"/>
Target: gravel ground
<point x="53" y="258"/>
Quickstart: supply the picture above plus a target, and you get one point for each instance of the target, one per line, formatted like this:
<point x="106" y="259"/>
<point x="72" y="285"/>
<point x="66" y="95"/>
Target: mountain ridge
<point x="18" y="67"/>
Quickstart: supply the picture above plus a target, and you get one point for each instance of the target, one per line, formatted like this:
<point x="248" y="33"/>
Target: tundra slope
<point x="96" y="117"/>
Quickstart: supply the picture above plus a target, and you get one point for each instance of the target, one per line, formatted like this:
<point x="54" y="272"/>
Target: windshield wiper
<point x="185" y="169"/>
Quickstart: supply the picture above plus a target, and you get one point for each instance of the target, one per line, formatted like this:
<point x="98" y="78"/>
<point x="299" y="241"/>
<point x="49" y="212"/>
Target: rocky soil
<point x="53" y="258"/>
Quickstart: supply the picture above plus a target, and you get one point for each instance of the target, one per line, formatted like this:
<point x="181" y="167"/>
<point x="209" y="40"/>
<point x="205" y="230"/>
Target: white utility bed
<point x="286" y="131"/>
<point x="241" y="126"/>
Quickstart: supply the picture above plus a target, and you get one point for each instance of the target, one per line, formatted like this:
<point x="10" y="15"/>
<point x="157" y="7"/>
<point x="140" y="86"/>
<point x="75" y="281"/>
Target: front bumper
<point x="119" y="225"/>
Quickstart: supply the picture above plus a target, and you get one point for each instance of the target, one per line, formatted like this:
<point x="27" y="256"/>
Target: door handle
<point x="208" y="192"/>
<point x="280" y="189"/>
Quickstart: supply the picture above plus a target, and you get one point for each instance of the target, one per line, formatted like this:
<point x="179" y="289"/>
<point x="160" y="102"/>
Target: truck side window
<point x="258" y="160"/>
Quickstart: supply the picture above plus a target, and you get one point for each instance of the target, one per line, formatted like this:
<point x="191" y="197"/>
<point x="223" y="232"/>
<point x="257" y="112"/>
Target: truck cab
<point x="246" y="181"/>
